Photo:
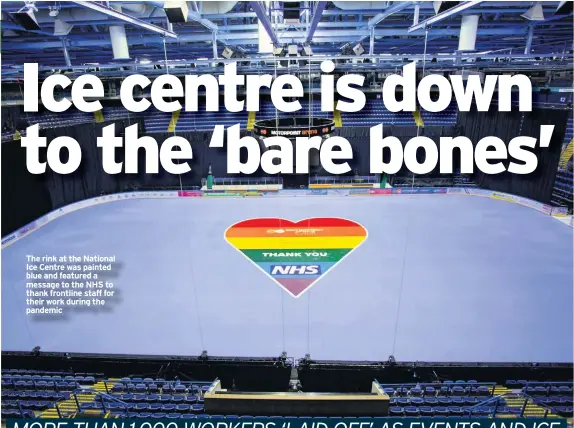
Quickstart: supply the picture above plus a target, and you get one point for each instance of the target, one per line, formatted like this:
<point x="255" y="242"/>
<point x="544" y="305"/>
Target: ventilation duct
<point x="62" y="28"/>
<point x="216" y="7"/>
<point x="119" y="39"/>
<point x="468" y="29"/>
<point x="176" y="11"/>
<point x="535" y="13"/>
<point x="26" y="18"/>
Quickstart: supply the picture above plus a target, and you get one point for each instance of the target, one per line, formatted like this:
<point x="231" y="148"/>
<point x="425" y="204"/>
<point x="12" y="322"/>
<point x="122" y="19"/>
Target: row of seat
<point x="155" y="398"/>
<point x="148" y="415"/>
<point x="30" y="385"/>
<point x="151" y="388"/>
<point x="17" y="414"/>
<point x="566" y="411"/>
<point x="438" y="401"/>
<point x="557" y="400"/>
<point x="548" y="390"/>
<point x="144" y="407"/>
<point x="161" y="381"/>
<point x="83" y="380"/>
<point x="454" y="390"/>
<point x="443" y="411"/>
<point x="27" y="404"/>
<point x="31" y="395"/>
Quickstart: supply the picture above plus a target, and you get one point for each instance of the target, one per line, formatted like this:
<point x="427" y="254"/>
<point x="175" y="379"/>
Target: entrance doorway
<point x="295" y="181"/>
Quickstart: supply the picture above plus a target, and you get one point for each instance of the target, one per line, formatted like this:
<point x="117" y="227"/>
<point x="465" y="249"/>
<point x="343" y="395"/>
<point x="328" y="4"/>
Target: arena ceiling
<point x="384" y="28"/>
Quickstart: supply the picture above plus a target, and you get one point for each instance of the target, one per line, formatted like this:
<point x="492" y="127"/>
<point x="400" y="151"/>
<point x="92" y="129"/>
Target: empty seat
<point x="441" y="411"/>
<point x="417" y="401"/>
<point x="426" y="411"/>
<point x="183" y="408"/>
<point x="155" y="407"/>
<point x="167" y="408"/>
<point x="416" y="391"/>
<point x="455" y="411"/>
<point x="458" y="390"/>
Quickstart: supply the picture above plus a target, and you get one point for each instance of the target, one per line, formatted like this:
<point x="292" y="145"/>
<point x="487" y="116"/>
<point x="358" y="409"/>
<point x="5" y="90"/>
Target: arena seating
<point x="30" y="394"/>
<point x="26" y="393"/>
<point x="447" y="117"/>
<point x="267" y="111"/>
<point x="564" y="183"/>
<point x="372" y="114"/>
<point x="375" y="113"/>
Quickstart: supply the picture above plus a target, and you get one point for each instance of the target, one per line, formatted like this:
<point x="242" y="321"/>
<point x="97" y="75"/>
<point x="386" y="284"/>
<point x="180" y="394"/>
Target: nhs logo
<point x="295" y="270"/>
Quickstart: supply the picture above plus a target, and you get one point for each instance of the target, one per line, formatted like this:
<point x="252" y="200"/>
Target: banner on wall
<point x="381" y="191"/>
<point x="502" y="197"/>
<point x="419" y="190"/>
<point x="559" y="211"/>
<point x="189" y="193"/>
<point x="342" y="186"/>
<point x="456" y="190"/>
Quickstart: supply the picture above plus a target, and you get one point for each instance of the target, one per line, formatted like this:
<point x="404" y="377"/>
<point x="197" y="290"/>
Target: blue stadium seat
<point x="155" y="407"/>
<point x="412" y="411"/>
<point x="426" y="411"/>
<point x="441" y="411"/>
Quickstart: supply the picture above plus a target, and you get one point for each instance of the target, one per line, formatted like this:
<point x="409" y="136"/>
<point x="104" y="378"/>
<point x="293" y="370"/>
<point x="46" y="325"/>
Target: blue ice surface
<point x="439" y="278"/>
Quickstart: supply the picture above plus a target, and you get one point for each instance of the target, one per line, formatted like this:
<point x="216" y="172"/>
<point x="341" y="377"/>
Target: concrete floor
<point x="439" y="278"/>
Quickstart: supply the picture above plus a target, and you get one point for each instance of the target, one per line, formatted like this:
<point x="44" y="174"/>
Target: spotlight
<point x="227" y="53"/>
<point x="358" y="49"/>
<point x="54" y="11"/>
<point x="26" y="18"/>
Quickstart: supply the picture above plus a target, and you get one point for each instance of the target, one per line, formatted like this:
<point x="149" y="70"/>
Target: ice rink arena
<point x="162" y="259"/>
<point x="442" y="257"/>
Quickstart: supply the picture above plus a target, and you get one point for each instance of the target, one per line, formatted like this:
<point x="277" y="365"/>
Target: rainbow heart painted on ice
<point x="296" y="254"/>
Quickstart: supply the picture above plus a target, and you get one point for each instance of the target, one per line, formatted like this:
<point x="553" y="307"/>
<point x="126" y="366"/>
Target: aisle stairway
<point x="69" y="407"/>
<point x="530" y="410"/>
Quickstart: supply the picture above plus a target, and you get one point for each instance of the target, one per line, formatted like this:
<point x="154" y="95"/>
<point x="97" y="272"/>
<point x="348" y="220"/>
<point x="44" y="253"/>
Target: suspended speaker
<point x="535" y="13"/>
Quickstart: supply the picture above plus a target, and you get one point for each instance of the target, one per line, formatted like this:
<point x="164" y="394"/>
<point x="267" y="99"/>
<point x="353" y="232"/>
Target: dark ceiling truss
<point x="327" y="26"/>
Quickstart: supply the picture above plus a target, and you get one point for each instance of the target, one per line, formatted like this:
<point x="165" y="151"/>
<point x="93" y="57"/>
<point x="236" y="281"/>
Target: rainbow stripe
<point x="296" y="255"/>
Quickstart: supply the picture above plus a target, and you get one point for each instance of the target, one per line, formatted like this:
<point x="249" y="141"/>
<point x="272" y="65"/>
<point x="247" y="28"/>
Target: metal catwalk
<point x="433" y="278"/>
